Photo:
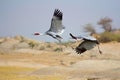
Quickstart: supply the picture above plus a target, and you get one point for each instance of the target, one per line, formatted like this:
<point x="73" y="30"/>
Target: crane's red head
<point x="36" y="33"/>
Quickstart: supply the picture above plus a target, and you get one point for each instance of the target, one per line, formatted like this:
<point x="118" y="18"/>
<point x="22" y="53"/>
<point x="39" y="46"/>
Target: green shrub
<point x="42" y="48"/>
<point x="109" y="36"/>
<point x="58" y="49"/>
<point x="48" y="46"/>
<point x="32" y="44"/>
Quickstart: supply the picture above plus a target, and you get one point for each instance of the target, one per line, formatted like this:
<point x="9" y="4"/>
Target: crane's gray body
<point x="88" y="43"/>
<point x="56" y="28"/>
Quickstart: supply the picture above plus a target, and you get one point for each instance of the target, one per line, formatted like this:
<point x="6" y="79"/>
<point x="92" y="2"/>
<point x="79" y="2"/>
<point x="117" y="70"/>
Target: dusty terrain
<point x="25" y="59"/>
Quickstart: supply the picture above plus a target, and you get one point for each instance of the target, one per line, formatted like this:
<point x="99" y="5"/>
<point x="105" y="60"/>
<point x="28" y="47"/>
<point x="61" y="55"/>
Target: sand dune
<point x="53" y="59"/>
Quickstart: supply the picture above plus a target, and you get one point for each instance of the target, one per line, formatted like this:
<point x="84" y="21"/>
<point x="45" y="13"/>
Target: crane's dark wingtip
<point x="58" y="14"/>
<point x="70" y="33"/>
<point x="80" y="50"/>
<point x="73" y="36"/>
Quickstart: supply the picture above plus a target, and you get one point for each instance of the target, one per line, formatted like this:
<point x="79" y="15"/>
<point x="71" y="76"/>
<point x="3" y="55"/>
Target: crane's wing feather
<point x="84" y="37"/>
<point x="56" y="22"/>
<point x="84" y="46"/>
<point x="89" y="38"/>
<point x="88" y="44"/>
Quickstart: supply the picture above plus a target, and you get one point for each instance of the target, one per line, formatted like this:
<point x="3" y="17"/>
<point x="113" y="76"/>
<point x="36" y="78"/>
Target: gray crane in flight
<point x="56" y="28"/>
<point x="88" y="43"/>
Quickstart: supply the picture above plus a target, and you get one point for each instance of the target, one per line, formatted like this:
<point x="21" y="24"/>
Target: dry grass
<point x="12" y="73"/>
<point x="21" y="73"/>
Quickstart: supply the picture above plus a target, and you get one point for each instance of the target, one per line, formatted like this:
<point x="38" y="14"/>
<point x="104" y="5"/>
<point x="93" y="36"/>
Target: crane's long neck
<point x="42" y="34"/>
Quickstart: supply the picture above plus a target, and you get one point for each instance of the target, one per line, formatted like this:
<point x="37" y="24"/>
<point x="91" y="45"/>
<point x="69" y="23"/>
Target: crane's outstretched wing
<point x="84" y="46"/>
<point x="84" y="37"/>
<point x="56" y="23"/>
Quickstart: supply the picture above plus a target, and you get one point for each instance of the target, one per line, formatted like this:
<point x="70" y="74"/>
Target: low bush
<point x="58" y="50"/>
<point x="109" y="36"/>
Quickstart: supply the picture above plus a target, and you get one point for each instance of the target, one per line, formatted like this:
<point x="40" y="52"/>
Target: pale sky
<point x="24" y="17"/>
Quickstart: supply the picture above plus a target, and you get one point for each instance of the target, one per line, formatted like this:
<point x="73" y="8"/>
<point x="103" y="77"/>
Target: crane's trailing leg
<point x="99" y="50"/>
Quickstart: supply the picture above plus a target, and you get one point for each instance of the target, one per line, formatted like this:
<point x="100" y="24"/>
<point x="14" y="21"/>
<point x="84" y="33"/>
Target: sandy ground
<point x="88" y="66"/>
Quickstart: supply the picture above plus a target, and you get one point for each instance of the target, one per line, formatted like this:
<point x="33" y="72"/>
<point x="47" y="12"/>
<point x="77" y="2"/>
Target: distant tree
<point x="106" y="24"/>
<point x="89" y="28"/>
